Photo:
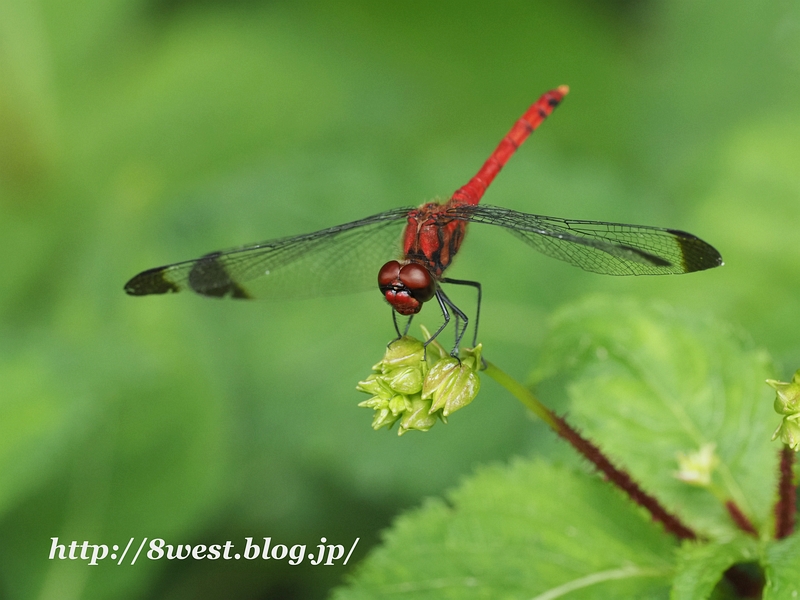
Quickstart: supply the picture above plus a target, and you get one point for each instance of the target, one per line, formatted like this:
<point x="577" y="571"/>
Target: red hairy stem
<point x="785" y="507"/>
<point x="593" y="454"/>
<point x="741" y="520"/>
<point x="473" y="191"/>
<point x="623" y="481"/>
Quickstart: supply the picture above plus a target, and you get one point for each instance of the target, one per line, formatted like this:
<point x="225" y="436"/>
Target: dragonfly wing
<point x="337" y="260"/>
<point x="607" y="248"/>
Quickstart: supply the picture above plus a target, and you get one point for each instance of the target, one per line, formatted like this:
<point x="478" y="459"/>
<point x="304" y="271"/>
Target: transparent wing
<point x="608" y="248"/>
<point x="337" y="260"/>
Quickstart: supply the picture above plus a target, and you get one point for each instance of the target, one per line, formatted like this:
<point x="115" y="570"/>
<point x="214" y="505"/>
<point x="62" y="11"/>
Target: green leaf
<point x="648" y="382"/>
<point x="701" y="566"/>
<point x="531" y="530"/>
<point x="783" y="575"/>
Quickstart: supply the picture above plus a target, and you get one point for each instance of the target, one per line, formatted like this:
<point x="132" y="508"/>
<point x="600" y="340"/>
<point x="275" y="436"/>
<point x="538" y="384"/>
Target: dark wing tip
<point x="207" y="276"/>
<point x="149" y="282"/>
<point x="696" y="254"/>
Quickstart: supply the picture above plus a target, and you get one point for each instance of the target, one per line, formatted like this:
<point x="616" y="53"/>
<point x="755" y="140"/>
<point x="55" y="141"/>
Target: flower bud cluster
<point x="787" y="404"/>
<point x="415" y="387"/>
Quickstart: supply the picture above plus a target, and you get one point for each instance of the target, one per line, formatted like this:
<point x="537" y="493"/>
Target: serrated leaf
<point x="648" y="382"/>
<point x="531" y="530"/>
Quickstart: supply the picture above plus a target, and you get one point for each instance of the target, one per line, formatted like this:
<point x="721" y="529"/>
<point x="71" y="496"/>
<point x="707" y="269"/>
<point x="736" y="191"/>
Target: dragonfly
<point x="421" y="243"/>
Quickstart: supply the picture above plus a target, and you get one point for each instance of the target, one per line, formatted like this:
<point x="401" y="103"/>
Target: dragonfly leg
<point x="408" y="324"/>
<point x="477" y="286"/>
<point x="397" y="327"/>
<point x="440" y="298"/>
<point x="445" y="302"/>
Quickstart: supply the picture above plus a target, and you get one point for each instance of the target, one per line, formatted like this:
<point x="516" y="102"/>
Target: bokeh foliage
<point x="134" y="133"/>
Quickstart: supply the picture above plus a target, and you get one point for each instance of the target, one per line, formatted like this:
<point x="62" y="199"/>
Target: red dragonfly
<point x="346" y="258"/>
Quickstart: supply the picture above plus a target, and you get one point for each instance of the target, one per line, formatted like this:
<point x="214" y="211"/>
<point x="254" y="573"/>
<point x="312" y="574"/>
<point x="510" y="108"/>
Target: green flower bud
<point x="789" y="432"/>
<point x="416" y="386"/>
<point x="419" y="417"/>
<point x="405" y="380"/>
<point x="696" y="468"/>
<point x="453" y="383"/>
<point x="787" y="398"/>
<point x="375" y="386"/>
<point x="400" y="404"/>
<point x="405" y="352"/>
<point x="383" y="417"/>
<point x="787" y="403"/>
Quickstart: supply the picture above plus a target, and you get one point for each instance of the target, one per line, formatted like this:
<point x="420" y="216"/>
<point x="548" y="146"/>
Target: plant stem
<point x="741" y="520"/>
<point x="785" y="507"/>
<point x="523" y="394"/>
<point x="593" y="454"/>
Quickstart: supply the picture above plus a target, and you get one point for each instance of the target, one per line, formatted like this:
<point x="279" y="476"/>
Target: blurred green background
<point x="135" y="133"/>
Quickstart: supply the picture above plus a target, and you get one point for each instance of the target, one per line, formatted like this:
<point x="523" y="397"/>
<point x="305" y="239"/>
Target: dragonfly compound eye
<point x="418" y="281"/>
<point x="406" y="287"/>
<point x="388" y="274"/>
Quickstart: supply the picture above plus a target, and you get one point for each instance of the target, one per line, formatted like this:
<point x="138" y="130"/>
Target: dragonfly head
<point x="406" y="287"/>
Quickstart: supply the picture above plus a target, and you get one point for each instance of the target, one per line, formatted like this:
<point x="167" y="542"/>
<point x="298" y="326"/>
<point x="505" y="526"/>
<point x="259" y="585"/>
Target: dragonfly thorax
<point x="406" y="286"/>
